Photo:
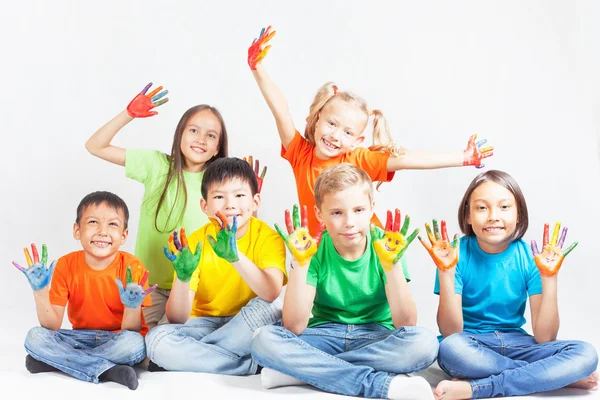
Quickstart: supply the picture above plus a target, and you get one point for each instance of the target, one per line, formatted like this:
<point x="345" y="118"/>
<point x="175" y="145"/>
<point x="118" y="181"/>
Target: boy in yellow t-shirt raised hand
<point x="228" y="276"/>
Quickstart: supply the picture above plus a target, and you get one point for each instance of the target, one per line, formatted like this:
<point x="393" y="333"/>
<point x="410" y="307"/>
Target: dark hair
<point x="505" y="180"/>
<point x="228" y="168"/>
<point x="97" y="198"/>
<point x="177" y="163"/>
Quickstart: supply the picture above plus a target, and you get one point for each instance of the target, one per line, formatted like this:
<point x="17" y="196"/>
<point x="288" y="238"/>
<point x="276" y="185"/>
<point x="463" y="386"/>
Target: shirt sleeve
<point x="139" y="163"/>
<point x="373" y="163"/>
<point x="59" y="291"/>
<point x="272" y="254"/>
<point x="294" y="148"/>
<point x="534" y="281"/>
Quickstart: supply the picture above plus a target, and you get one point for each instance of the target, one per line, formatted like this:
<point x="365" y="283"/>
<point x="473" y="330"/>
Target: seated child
<point x="484" y="280"/>
<point x="362" y="338"/>
<point x="228" y="276"/>
<point x="105" y="305"/>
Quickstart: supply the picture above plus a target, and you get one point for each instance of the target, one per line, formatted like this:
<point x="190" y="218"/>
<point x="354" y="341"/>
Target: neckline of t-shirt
<point x="493" y="257"/>
<point x="93" y="271"/>
<point x="350" y="263"/>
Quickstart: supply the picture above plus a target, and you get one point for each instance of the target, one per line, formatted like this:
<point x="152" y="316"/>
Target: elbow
<point x="540" y="338"/>
<point x="271" y="295"/>
<point x="90" y="148"/>
<point x="294" y="326"/>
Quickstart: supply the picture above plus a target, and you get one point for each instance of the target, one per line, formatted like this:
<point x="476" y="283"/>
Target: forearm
<point x="298" y="302"/>
<point x="449" y="315"/>
<point x="423" y="159"/>
<point x="132" y="319"/>
<point x="179" y="304"/>
<point x="277" y="104"/>
<point x="547" y="321"/>
<point x="99" y="144"/>
<point x="402" y="305"/>
<point x="45" y="312"/>
<point x="261" y="283"/>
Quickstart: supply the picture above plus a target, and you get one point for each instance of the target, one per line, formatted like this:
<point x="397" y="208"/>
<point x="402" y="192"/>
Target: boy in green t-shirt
<point x="362" y="338"/>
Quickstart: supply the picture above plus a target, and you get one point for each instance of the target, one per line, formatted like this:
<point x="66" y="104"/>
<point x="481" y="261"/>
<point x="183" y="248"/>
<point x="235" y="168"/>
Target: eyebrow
<point x="197" y="127"/>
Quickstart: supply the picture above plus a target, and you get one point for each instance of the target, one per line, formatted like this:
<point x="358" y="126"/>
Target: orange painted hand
<point x="391" y="244"/>
<point x="298" y="240"/>
<point x="259" y="178"/>
<point x="257" y="51"/>
<point x="141" y="106"/>
<point x="443" y="253"/>
<point x="550" y="259"/>
<point x="474" y="153"/>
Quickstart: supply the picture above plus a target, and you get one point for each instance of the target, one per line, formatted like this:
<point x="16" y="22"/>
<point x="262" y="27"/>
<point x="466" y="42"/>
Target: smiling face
<point x="200" y="140"/>
<point x="339" y="129"/>
<point x="233" y="197"/>
<point x="493" y="216"/>
<point x="101" y="231"/>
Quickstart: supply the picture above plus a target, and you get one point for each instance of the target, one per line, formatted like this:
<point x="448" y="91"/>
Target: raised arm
<point x="445" y="256"/>
<point x="132" y="295"/>
<point x="273" y="96"/>
<point x="140" y="107"/>
<point x="423" y="159"/>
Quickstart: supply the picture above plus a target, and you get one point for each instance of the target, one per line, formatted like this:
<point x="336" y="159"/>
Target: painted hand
<point x="474" y="154"/>
<point x="225" y="246"/>
<point x="259" y="178"/>
<point x="298" y="240"/>
<point x="552" y="255"/>
<point x="178" y="252"/>
<point x="443" y="253"/>
<point x="142" y="104"/>
<point x="257" y="51"/>
<point x="37" y="274"/>
<point x="133" y="294"/>
<point x="391" y="244"/>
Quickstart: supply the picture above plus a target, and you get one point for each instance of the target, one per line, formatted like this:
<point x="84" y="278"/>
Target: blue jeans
<point x="217" y="345"/>
<point x="346" y="359"/>
<point x="513" y="363"/>
<point x="85" y="354"/>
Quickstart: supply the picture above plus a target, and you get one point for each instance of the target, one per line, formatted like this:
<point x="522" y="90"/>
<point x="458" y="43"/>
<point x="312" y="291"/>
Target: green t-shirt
<point x="150" y="167"/>
<point x="349" y="292"/>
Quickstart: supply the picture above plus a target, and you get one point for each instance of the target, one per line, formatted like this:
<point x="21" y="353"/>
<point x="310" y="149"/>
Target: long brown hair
<point x="177" y="163"/>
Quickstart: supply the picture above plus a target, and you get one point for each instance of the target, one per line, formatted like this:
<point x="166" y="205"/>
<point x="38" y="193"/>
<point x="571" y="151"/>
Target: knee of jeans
<point x="154" y="335"/>
<point x="453" y="346"/>
<point x="425" y="346"/>
<point x="264" y="342"/>
<point x="36" y="336"/>
<point x="588" y="357"/>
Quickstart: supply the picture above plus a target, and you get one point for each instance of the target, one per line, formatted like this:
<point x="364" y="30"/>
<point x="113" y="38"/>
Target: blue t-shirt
<point x="494" y="287"/>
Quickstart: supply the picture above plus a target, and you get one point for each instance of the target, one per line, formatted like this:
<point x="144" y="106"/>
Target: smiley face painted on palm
<point x="132" y="295"/>
<point x="394" y="241"/>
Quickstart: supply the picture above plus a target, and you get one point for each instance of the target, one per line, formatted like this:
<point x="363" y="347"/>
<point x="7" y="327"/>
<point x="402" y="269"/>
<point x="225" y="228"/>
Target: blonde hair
<point x="382" y="138"/>
<point x="340" y="177"/>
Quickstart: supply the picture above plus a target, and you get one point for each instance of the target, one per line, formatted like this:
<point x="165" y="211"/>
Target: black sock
<point x="35" y="367"/>
<point x="153" y="367"/>
<point x="122" y="374"/>
<point x="258" y="369"/>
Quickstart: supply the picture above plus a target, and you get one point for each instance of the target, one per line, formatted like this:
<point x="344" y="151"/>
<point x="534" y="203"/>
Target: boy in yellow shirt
<point x="228" y="276"/>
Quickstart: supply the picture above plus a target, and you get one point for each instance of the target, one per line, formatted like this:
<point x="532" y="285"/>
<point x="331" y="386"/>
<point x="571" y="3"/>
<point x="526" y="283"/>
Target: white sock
<point x="272" y="379"/>
<point x="404" y="387"/>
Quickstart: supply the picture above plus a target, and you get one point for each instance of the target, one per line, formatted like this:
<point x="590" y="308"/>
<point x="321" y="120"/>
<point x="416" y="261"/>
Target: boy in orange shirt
<point x="104" y="303"/>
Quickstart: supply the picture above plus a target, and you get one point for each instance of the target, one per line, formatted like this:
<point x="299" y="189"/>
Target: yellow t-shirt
<point x="220" y="290"/>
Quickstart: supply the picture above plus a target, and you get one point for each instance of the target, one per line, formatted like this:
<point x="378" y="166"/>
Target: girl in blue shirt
<point x="483" y="281"/>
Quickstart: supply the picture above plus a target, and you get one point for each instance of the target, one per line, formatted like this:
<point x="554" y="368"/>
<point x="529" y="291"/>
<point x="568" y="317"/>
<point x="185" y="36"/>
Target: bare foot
<point x="589" y="382"/>
<point x="453" y="390"/>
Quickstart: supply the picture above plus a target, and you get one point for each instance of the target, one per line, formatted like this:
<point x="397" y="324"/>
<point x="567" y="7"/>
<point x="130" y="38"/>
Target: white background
<point x="522" y="74"/>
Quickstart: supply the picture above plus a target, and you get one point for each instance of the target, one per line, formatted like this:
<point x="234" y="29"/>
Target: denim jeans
<point x="85" y="354"/>
<point x="346" y="359"/>
<point x="513" y="363"/>
<point x="217" y="345"/>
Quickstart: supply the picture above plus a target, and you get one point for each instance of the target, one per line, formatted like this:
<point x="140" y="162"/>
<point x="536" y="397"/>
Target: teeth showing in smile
<point x="329" y="145"/>
<point x="493" y="229"/>
<point x="101" y="244"/>
<point x="198" y="149"/>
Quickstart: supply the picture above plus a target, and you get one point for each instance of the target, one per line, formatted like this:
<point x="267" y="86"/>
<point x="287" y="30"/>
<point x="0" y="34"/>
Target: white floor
<point x="16" y="382"/>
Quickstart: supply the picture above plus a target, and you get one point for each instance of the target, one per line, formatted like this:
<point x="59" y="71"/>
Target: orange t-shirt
<point x="93" y="295"/>
<point x="307" y="167"/>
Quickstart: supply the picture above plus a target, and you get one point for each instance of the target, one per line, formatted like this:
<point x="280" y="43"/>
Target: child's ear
<point x="76" y="234"/>
<point x="358" y="141"/>
<point x="255" y="202"/>
<point x="204" y="206"/>
<point x="124" y="236"/>
<point x="318" y="214"/>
